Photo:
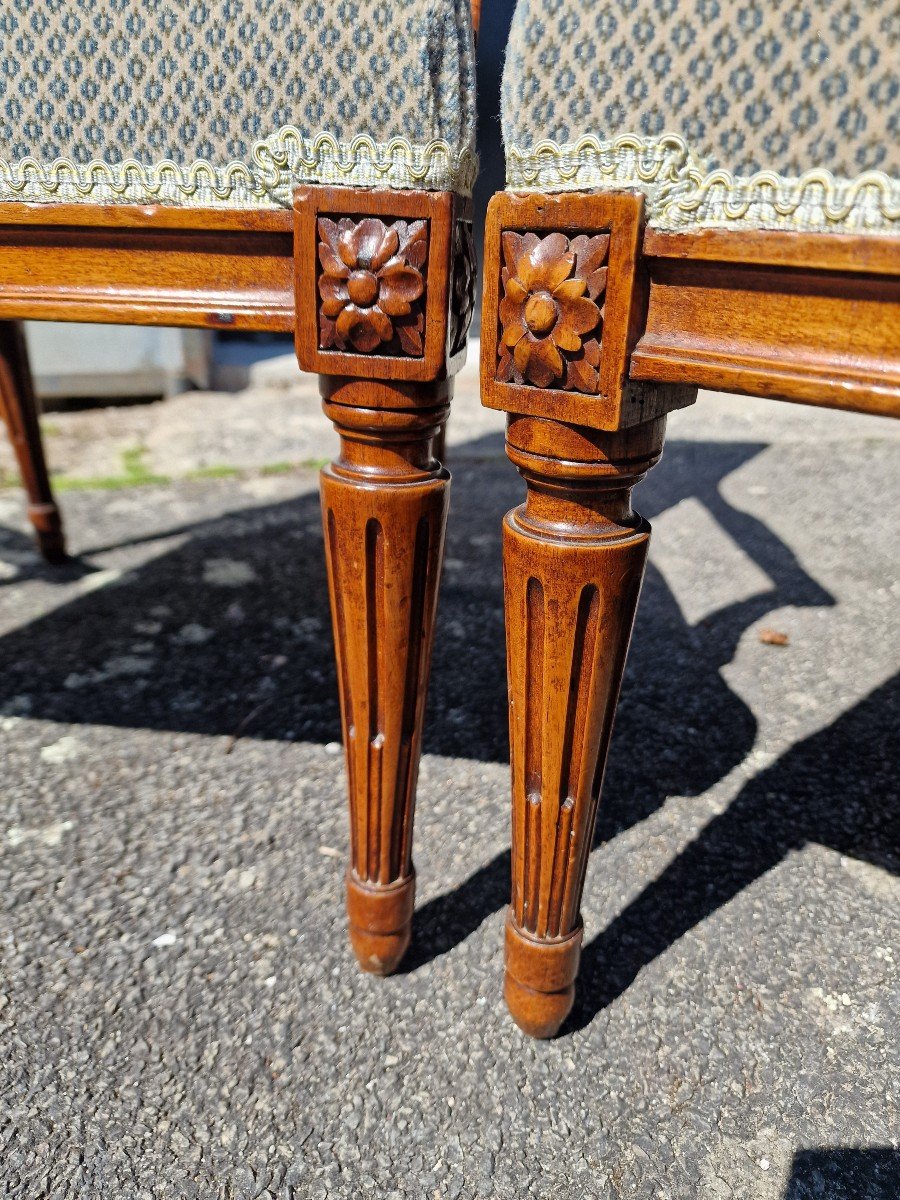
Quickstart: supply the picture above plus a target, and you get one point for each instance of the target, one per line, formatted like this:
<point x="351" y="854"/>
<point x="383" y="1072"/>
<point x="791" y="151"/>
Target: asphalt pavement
<point x="180" y="1013"/>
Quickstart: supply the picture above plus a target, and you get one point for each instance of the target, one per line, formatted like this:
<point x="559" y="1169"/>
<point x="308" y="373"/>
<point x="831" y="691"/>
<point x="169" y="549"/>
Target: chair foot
<point x="48" y="529"/>
<point x="539" y="987"/>
<point x="380" y="922"/>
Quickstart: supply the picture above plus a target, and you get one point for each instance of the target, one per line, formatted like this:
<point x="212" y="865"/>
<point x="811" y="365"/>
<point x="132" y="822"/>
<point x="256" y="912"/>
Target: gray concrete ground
<point x="179" y="1011"/>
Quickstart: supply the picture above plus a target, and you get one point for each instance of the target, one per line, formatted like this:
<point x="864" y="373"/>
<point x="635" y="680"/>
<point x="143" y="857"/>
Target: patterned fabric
<point x="781" y="113"/>
<point x="232" y="102"/>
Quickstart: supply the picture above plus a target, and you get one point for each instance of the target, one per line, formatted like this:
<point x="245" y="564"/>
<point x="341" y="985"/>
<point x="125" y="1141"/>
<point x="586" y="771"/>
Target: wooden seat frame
<point x="810" y="318"/>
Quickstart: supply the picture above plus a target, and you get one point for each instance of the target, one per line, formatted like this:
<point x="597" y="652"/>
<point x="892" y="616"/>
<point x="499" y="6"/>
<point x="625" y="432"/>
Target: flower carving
<point x="371" y="285"/>
<point x="551" y="310"/>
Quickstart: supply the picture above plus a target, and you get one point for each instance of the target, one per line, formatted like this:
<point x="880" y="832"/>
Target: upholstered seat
<point x="726" y="113"/>
<point x="230" y="103"/>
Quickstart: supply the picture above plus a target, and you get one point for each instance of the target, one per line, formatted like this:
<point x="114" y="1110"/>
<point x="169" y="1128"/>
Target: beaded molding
<point x="279" y="162"/>
<point x="682" y="194"/>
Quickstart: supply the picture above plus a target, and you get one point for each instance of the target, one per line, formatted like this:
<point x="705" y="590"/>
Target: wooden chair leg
<point x="574" y="558"/>
<point x="439" y="446"/>
<point x="19" y="410"/>
<point x="384" y="503"/>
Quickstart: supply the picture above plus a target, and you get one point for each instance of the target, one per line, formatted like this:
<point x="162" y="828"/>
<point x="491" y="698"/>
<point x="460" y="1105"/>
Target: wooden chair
<point x="699" y="194"/>
<point x="268" y="165"/>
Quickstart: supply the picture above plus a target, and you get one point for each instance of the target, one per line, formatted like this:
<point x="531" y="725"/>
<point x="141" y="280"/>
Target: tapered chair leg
<point x="574" y="558"/>
<point x="384" y="506"/>
<point x="19" y="410"/>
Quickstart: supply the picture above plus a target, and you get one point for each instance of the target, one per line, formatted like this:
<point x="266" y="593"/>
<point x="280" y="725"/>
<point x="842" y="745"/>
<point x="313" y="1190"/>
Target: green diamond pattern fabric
<point x="232" y="102"/>
<point x="761" y="113"/>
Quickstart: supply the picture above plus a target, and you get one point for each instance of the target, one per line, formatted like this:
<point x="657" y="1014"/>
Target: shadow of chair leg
<point x="449" y="919"/>
<point x="836" y="788"/>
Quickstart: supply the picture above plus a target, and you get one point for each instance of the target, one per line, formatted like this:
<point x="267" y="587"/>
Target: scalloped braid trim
<point x="682" y="194"/>
<point x="278" y="164"/>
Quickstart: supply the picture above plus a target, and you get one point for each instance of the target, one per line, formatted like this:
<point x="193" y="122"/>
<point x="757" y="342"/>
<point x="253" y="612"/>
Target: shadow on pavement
<point x="171" y="646"/>
<point x="836" y="788"/>
<point x="845" y="1173"/>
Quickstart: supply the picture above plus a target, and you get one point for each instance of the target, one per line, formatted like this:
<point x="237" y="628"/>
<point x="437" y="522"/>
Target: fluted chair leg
<point x="385" y="290"/>
<point x="574" y="557"/>
<point x="384" y="502"/>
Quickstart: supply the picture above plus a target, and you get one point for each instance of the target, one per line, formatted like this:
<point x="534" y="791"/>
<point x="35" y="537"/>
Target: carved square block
<point x="373" y="282"/>
<point x="565" y="295"/>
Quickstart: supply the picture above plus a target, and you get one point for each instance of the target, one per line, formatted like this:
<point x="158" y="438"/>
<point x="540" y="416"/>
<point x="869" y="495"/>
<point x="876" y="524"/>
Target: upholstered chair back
<point x="761" y="113"/>
<point x="232" y="102"/>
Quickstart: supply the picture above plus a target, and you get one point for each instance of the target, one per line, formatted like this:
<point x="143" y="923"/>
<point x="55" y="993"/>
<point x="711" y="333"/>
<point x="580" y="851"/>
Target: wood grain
<point x="384" y="505"/>
<point x="365" y="263"/>
<point x="809" y="318"/>
<point x="616" y="401"/>
<point x="869" y="253"/>
<point x="828" y="337"/>
<point x="438" y="210"/>
<point x="147" y="216"/>
<point x="573" y="558"/>
<point x="384" y="498"/>
<point x="169" y="275"/>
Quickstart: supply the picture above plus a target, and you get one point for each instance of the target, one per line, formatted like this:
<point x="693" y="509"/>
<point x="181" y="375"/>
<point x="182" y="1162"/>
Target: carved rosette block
<point x="574" y="557"/>
<point x="565" y="297"/>
<point x="384" y="506"/>
<point x="372" y="285"/>
<point x="551" y="312"/>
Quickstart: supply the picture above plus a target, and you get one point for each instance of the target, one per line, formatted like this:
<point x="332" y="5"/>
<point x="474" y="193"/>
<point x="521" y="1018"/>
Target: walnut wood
<point x="384" y="300"/>
<point x="384" y="498"/>
<point x="439" y="211"/>
<point x="371" y="285"/>
<point x="19" y="410"/>
<point x="555" y="355"/>
<point x="871" y="253"/>
<point x="817" y="335"/>
<point x="147" y="216"/>
<point x="162" y="273"/>
<point x="553" y="311"/>
<point x="802" y="317"/>
<point x="213" y="268"/>
<point x="62" y="262"/>
<point x="384" y="504"/>
<point x="574" y="557"/>
<point x="571" y="230"/>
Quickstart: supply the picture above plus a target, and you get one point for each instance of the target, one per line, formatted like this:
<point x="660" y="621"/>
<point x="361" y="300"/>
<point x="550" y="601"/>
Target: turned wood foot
<point x="19" y="410"/>
<point x="574" y="558"/>
<point x="384" y="507"/>
<point x="379" y="919"/>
